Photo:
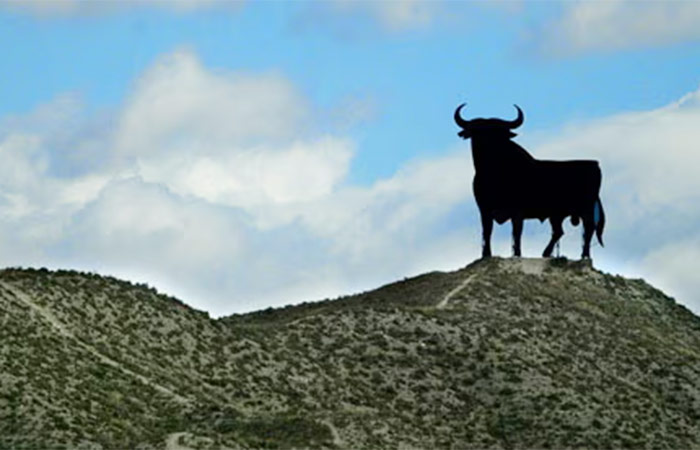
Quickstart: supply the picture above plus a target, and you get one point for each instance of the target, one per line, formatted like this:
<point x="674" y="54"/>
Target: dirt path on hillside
<point x="64" y="331"/>
<point x="172" y="442"/>
<point x="337" y="441"/>
<point x="455" y="291"/>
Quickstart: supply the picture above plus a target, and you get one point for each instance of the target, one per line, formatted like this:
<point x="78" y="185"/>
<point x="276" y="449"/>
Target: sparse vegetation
<point x="565" y="356"/>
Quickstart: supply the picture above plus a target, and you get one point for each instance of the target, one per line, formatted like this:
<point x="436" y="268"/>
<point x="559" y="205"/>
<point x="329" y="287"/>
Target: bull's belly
<point x="502" y="215"/>
<point x="535" y="202"/>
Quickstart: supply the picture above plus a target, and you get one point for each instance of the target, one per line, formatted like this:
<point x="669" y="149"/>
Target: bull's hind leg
<point x="486" y="228"/>
<point x="557" y="233"/>
<point x="517" y="233"/>
<point x="588" y="229"/>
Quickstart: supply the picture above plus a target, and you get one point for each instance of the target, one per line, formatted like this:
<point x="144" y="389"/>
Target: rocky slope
<point x="503" y="353"/>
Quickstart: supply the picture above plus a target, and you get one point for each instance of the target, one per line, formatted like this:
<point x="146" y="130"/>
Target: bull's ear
<point x="511" y="134"/>
<point x="464" y="134"/>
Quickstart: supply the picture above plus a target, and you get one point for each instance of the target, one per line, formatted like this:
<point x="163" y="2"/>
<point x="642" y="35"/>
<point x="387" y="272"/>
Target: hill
<point x="503" y="353"/>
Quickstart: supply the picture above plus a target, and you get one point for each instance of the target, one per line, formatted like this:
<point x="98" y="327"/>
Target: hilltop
<point x="502" y="353"/>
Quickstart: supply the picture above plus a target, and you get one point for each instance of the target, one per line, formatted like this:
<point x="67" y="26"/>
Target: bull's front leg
<point x="486" y="229"/>
<point x="517" y="233"/>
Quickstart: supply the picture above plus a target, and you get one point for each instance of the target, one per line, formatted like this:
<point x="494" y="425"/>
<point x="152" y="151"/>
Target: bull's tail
<point x="599" y="220"/>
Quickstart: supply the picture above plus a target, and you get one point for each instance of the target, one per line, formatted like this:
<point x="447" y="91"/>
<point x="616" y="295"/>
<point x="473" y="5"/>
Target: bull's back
<point x="577" y="175"/>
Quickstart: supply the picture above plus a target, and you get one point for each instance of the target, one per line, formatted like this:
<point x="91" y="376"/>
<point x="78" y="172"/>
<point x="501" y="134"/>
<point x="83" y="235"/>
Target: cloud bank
<point x="220" y="188"/>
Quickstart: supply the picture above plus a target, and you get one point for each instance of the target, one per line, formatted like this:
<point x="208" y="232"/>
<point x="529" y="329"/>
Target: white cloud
<point x="35" y="205"/>
<point x="226" y="259"/>
<point x="29" y="188"/>
<point x="178" y="105"/>
<point x="674" y="269"/>
<point x="146" y="224"/>
<point x="396" y="213"/>
<point x="229" y="138"/>
<point x="255" y="176"/>
<point x="218" y="187"/>
<point x="620" y="24"/>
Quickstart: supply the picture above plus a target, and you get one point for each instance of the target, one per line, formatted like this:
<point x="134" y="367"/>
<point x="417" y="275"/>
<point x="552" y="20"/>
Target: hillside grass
<point x="565" y="356"/>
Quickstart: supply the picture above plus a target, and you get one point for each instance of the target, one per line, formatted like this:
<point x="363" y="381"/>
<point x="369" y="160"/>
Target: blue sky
<point x="316" y="138"/>
<point x="413" y="76"/>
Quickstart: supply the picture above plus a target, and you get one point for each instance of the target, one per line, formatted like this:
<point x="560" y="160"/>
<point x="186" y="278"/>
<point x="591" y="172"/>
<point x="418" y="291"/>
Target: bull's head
<point x="487" y="127"/>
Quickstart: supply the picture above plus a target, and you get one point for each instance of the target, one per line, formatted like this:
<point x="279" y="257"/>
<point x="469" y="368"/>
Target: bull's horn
<point x="458" y="118"/>
<point x="518" y="120"/>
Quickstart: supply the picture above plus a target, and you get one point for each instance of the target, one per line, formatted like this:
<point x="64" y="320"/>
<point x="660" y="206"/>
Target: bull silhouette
<point x="510" y="184"/>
